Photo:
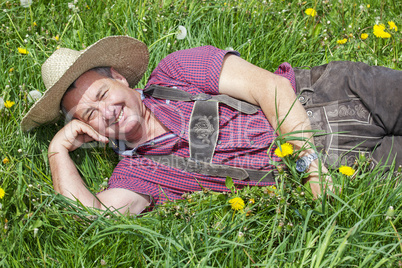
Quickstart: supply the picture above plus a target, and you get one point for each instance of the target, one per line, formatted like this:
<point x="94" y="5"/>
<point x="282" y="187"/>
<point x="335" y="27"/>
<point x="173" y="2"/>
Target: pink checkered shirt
<point x="243" y="140"/>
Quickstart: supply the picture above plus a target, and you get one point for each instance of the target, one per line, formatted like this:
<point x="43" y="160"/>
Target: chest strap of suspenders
<point x="203" y="135"/>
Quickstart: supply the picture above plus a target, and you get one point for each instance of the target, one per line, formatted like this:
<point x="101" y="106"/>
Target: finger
<point x="91" y="133"/>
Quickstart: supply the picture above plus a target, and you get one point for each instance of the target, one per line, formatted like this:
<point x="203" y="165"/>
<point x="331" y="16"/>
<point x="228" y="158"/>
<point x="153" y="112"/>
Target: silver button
<point x="302" y="99"/>
<point x="309" y="113"/>
<point x="219" y="142"/>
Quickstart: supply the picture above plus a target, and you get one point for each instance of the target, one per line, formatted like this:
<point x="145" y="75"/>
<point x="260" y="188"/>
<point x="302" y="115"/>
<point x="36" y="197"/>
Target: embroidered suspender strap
<point x="203" y="130"/>
<point x="203" y="168"/>
<point x="175" y="94"/>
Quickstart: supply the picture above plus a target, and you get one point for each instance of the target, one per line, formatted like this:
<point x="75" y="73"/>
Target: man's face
<point x="108" y="105"/>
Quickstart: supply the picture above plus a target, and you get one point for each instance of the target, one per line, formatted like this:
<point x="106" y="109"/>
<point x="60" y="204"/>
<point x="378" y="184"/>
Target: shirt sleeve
<point x="196" y="67"/>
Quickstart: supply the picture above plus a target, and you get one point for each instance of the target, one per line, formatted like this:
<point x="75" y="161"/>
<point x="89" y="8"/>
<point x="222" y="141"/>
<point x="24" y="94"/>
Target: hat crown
<point x="57" y="65"/>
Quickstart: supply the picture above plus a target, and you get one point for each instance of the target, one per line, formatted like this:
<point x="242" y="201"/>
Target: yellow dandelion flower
<point x="251" y="201"/>
<point x="368" y="6"/>
<point x="379" y="31"/>
<point x="57" y="38"/>
<point x="311" y="12"/>
<point x="345" y="170"/>
<point x="2" y="193"/>
<point x="272" y="187"/>
<point x="237" y="203"/>
<point x="392" y="26"/>
<point x="6" y="160"/>
<point x="363" y="36"/>
<point x="23" y="51"/>
<point x="342" y="41"/>
<point x="284" y="150"/>
<point x="34" y="24"/>
<point x="9" y="104"/>
<point x="11" y="69"/>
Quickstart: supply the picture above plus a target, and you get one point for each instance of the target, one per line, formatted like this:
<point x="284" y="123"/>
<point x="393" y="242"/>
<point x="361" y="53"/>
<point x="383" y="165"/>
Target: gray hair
<point x="103" y="71"/>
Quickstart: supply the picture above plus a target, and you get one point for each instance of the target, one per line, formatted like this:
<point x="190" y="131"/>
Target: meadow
<point x="281" y="226"/>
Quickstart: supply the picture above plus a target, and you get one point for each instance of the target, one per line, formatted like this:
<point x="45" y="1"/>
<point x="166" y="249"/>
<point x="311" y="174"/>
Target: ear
<point x="118" y="77"/>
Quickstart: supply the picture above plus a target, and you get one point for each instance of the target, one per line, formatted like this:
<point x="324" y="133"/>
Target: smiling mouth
<point x="119" y="117"/>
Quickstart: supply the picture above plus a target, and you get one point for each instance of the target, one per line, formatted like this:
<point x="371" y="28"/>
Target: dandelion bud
<point x="289" y="227"/>
<point x="390" y="212"/>
<point x="298" y="189"/>
<point x="280" y="227"/>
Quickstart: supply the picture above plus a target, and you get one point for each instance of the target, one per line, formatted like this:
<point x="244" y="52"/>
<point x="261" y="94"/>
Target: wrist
<point x="304" y="163"/>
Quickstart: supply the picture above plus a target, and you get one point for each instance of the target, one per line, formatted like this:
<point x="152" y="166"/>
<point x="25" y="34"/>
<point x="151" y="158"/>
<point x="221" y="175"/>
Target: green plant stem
<point x="397" y="234"/>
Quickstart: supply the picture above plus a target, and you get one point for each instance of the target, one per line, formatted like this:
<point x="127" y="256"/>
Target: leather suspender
<point x="203" y="135"/>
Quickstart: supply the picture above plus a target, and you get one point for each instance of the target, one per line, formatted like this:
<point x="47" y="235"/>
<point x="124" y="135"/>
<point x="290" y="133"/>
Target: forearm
<point x="66" y="179"/>
<point x="285" y="113"/>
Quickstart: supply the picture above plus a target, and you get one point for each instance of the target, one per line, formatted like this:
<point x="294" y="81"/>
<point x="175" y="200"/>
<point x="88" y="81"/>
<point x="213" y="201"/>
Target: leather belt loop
<point x="303" y="79"/>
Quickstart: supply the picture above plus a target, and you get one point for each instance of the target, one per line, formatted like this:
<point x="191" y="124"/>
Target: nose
<point x="107" y="111"/>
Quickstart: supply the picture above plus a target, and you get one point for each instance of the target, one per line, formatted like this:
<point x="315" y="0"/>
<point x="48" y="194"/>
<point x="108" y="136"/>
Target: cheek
<point x="98" y="125"/>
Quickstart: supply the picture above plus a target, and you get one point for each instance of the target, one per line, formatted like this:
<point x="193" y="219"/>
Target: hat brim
<point x="127" y="55"/>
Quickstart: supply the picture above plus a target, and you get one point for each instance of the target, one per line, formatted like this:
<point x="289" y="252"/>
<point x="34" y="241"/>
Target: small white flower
<point x="144" y="30"/>
<point x="26" y="3"/>
<point x="229" y="48"/>
<point x="182" y="33"/>
<point x="1" y="103"/>
<point x="328" y="22"/>
<point x="20" y="150"/>
<point x="71" y="6"/>
<point x="34" y="95"/>
<point x="35" y="230"/>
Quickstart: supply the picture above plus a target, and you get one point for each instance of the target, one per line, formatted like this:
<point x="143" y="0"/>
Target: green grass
<point x="285" y="227"/>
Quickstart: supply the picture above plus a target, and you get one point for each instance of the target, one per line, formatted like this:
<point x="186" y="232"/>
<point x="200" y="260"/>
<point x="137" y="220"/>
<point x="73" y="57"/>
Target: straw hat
<point x="126" y="55"/>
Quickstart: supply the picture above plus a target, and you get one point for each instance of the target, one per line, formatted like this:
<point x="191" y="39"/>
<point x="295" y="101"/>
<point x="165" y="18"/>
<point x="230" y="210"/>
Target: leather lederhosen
<point x="358" y="106"/>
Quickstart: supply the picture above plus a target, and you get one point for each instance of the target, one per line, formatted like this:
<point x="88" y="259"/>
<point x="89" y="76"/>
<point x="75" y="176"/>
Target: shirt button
<point x="152" y="143"/>
<point x="219" y="142"/>
<point x="251" y="142"/>
<point x="309" y="113"/>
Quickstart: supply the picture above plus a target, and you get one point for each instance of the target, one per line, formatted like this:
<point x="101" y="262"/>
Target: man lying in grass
<point x="204" y="114"/>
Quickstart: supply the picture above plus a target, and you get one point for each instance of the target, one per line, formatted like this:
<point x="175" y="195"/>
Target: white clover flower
<point x="182" y="33"/>
<point x="26" y="3"/>
<point x="71" y="6"/>
<point x="1" y="103"/>
<point x="34" y="95"/>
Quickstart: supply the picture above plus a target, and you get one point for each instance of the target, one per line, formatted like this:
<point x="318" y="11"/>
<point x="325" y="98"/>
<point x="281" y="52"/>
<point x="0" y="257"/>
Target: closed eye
<point x="104" y="94"/>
